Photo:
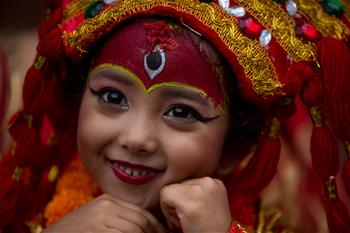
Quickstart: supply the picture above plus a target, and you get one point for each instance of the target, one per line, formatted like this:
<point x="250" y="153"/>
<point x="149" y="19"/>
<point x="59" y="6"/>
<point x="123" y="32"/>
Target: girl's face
<point x="136" y="139"/>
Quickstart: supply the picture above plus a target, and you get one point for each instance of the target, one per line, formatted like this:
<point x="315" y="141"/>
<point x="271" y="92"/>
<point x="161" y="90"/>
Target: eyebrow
<point x="115" y="77"/>
<point x="172" y="92"/>
<point x="166" y="93"/>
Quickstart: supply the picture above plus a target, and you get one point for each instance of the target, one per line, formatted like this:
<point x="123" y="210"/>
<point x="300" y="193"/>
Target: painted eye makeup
<point x="111" y="96"/>
<point x="186" y="113"/>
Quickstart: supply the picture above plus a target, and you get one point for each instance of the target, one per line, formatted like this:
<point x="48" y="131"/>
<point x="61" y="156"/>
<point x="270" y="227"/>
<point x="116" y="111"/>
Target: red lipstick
<point x="133" y="173"/>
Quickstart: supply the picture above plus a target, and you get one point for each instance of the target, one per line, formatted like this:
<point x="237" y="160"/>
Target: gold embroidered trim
<point x="255" y="61"/>
<point x="75" y="7"/>
<point x="281" y="26"/>
<point x="328" y="25"/>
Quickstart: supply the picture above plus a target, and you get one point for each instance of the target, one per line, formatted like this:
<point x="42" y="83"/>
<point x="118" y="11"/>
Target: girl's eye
<point x="186" y="113"/>
<point x="111" y="96"/>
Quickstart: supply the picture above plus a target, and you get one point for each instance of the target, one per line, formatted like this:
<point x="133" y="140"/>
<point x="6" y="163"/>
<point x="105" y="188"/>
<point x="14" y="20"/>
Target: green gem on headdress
<point x="93" y="9"/>
<point x="333" y="7"/>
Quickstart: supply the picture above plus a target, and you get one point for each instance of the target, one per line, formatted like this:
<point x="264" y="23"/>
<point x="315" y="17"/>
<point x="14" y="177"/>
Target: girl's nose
<point x="139" y="136"/>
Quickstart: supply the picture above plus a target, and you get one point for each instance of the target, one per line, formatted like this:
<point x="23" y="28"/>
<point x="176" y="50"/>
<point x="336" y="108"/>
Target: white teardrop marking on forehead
<point x="154" y="62"/>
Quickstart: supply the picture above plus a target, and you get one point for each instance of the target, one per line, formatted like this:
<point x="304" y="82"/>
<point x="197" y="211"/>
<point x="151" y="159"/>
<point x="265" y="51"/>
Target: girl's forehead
<point x="159" y="54"/>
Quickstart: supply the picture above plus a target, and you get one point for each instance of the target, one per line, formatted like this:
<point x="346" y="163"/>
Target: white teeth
<point x="136" y="172"/>
<point x="133" y="172"/>
<point x="128" y="171"/>
<point x="143" y="173"/>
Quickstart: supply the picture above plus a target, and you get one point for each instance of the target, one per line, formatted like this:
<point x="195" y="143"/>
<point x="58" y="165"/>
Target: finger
<point x="124" y="225"/>
<point x="170" y="206"/>
<point x="171" y="218"/>
<point x="143" y="218"/>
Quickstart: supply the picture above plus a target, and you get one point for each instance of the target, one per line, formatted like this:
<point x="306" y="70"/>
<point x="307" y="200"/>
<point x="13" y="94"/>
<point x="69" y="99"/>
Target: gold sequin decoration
<point x="331" y="189"/>
<point x="29" y="119"/>
<point x="40" y="61"/>
<point x="52" y="140"/>
<point x="328" y="25"/>
<point x="13" y="148"/>
<point x="255" y="61"/>
<point x="17" y="173"/>
<point x="53" y="173"/>
<point x="274" y="129"/>
<point x="75" y="7"/>
<point x="316" y="115"/>
<point x="281" y="26"/>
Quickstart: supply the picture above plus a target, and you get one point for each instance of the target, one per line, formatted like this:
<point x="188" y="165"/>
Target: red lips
<point x="133" y="173"/>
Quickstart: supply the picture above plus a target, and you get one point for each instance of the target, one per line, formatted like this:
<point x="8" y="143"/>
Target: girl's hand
<point x="197" y="205"/>
<point x="108" y="214"/>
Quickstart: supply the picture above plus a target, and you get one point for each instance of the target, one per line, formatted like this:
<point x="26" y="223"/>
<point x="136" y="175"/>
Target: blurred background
<point x="18" y="38"/>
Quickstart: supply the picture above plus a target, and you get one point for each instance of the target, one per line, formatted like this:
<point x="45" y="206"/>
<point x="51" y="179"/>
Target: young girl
<point x="163" y="101"/>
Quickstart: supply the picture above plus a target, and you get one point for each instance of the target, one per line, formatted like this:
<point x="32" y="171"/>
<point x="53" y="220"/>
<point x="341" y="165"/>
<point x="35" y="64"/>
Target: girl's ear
<point x="226" y="164"/>
<point x="236" y="151"/>
<point x="229" y="158"/>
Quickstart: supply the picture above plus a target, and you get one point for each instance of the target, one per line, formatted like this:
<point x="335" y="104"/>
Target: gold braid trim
<point x="282" y="27"/>
<point x="328" y="25"/>
<point x="255" y="61"/>
<point x="269" y="219"/>
<point x="75" y="7"/>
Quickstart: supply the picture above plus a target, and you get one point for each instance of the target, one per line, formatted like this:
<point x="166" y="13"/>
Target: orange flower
<point x="74" y="188"/>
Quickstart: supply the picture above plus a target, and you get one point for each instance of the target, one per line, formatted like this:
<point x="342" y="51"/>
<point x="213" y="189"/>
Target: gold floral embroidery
<point x="255" y="61"/>
<point x="328" y="25"/>
<point x="282" y="27"/>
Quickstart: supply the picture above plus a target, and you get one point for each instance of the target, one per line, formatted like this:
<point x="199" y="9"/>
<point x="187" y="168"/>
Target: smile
<point x="133" y="173"/>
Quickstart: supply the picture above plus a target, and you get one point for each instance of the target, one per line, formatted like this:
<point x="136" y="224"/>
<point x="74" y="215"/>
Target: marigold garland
<point x="74" y="188"/>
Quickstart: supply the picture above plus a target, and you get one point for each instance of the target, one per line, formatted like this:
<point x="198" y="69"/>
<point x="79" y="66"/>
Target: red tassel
<point x="51" y="45"/>
<point x="45" y="188"/>
<point x="346" y="176"/>
<point x="261" y="168"/>
<point x="25" y="130"/>
<point x="325" y="157"/>
<point x="32" y="90"/>
<point x="324" y="152"/>
<point x="10" y="190"/>
<point x="47" y="25"/>
<point x="334" y="57"/>
<point x="337" y="217"/>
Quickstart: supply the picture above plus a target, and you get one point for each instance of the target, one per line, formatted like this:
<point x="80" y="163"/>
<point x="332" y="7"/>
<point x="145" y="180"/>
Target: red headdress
<point x="277" y="50"/>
